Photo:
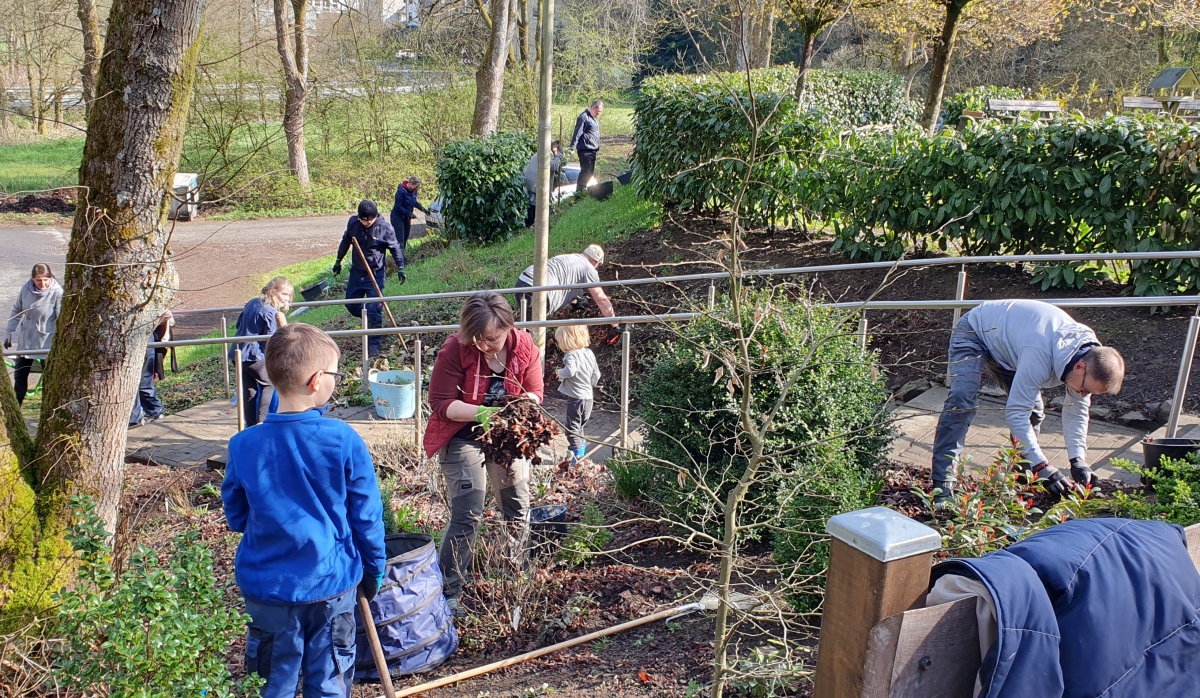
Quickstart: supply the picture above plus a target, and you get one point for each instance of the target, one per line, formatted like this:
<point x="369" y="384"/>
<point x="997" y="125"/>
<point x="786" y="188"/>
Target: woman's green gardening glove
<point x="484" y="414"/>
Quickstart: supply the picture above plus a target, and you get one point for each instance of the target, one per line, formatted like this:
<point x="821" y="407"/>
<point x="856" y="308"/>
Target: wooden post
<point x="879" y="564"/>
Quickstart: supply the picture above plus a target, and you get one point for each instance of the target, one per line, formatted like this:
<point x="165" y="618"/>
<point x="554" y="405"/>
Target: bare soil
<point x="60" y="201"/>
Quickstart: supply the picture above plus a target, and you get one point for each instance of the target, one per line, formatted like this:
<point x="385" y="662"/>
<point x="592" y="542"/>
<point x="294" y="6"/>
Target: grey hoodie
<point x="579" y="374"/>
<point x="34" y="316"/>
<point x="1037" y="341"/>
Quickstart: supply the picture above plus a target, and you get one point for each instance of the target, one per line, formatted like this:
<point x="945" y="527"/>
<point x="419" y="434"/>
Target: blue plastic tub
<point x="394" y="392"/>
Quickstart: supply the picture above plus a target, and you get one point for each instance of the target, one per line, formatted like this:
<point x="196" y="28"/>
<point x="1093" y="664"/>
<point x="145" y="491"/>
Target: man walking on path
<point x="1026" y="346"/>
<point x="586" y="141"/>
<point x="402" y="212"/>
<point x="568" y="269"/>
<point x="375" y="236"/>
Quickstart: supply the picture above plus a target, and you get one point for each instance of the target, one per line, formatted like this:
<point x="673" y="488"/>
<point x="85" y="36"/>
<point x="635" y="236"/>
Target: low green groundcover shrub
<point x="160" y="628"/>
<point x="825" y="446"/>
<point x="482" y="180"/>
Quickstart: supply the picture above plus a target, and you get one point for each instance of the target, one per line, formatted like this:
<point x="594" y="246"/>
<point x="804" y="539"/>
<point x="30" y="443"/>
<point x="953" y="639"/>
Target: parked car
<point x="570" y="173"/>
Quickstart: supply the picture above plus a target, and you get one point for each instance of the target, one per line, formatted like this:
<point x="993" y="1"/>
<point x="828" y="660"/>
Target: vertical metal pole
<point x="1185" y="370"/>
<point x="862" y="331"/>
<point x="625" y="388"/>
<point x="225" y="354"/>
<point x="960" y="293"/>
<point x="364" y="387"/>
<point x="541" y="218"/>
<point x="417" y="375"/>
<point x="524" y="308"/>
<point x="241" y="395"/>
<point x="712" y="295"/>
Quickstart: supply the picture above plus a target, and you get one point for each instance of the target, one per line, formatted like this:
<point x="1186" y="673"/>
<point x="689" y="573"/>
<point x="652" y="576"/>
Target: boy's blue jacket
<point x="1097" y="607"/>
<point x="302" y="490"/>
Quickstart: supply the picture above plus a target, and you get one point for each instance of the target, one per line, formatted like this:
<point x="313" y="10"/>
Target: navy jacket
<point x="256" y="318"/>
<point x="375" y="242"/>
<point x="302" y="490"/>
<point x="587" y="132"/>
<point x="1097" y="607"/>
<point x="402" y="209"/>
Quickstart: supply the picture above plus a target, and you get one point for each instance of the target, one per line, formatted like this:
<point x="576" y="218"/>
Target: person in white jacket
<point x="32" y="323"/>
<point x="1026" y="346"/>
<point x="578" y="376"/>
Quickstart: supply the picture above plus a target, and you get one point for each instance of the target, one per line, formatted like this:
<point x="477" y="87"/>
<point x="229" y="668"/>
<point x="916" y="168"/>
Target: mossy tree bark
<point x="89" y="24"/>
<point x="941" y="64"/>
<point x="489" y="79"/>
<point x="119" y="275"/>
<point x="291" y="38"/>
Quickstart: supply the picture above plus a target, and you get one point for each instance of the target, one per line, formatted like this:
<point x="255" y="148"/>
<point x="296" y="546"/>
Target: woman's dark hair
<point x="484" y="312"/>
<point x="41" y="270"/>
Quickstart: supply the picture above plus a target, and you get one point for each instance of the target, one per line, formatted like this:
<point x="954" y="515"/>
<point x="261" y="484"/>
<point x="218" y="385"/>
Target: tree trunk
<point x="766" y="38"/>
<point x="89" y="24"/>
<point x="806" y="56"/>
<point x="528" y="39"/>
<point x="41" y="112"/>
<point x="489" y="79"/>
<point x="119" y="275"/>
<point x="941" y="65"/>
<point x="5" y="120"/>
<point x="1164" y="53"/>
<point x="291" y="39"/>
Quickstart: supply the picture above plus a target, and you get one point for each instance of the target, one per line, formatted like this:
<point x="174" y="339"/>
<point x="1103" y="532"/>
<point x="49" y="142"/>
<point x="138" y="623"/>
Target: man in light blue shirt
<point x="1026" y="346"/>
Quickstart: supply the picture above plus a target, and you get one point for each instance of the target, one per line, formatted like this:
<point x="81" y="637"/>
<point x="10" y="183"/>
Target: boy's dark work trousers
<point x="22" y="366"/>
<point x="587" y="168"/>
<point x="360" y="286"/>
<point x="578" y="414"/>
<point x="147" y="404"/>
<point x="317" y="638"/>
<point x="257" y="391"/>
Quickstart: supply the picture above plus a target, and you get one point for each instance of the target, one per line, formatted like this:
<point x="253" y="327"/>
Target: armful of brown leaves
<point x="517" y="431"/>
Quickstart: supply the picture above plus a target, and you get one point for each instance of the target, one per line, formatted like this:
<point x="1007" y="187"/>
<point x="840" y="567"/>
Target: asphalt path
<point x="217" y="261"/>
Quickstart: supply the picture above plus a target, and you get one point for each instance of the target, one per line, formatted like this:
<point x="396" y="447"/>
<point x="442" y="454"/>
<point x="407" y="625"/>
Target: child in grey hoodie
<point x="577" y="377"/>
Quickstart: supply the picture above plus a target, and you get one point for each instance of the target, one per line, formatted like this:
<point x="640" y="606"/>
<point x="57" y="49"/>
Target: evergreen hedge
<point x="483" y="183"/>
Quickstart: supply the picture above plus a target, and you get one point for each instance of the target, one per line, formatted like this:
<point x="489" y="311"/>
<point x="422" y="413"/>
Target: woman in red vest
<point x="476" y="372"/>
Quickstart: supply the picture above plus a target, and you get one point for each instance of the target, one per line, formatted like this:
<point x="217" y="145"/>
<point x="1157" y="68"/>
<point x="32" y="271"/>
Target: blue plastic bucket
<point x="394" y="392"/>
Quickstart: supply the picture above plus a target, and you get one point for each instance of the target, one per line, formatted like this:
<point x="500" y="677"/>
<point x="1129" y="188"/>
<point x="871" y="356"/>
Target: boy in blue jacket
<point x="302" y="490"/>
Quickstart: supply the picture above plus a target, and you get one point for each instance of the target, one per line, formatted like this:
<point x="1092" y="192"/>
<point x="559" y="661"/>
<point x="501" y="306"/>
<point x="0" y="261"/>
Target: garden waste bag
<point x="415" y="627"/>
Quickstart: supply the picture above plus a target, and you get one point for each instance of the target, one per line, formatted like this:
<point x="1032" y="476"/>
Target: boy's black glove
<point x="1056" y="482"/>
<point x="1081" y="473"/>
<point x="337" y="268"/>
<point x="369" y="586"/>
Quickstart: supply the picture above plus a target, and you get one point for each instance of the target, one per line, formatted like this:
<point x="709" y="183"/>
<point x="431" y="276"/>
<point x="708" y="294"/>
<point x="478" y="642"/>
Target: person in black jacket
<point x="148" y="407"/>
<point x="375" y="236"/>
<point x="586" y="141"/>
<point x="402" y="211"/>
<point x="531" y="173"/>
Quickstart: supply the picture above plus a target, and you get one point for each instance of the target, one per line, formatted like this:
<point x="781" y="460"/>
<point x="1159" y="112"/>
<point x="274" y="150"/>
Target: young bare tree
<point x="89" y="25"/>
<point x="291" y="37"/>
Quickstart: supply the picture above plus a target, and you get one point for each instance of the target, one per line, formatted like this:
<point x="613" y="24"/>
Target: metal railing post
<point x="524" y="307"/>
<point x="225" y="354"/>
<point x="712" y="295"/>
<point x="862" y="331"/>
<point x="364" y="387"/>
<point x="624" y="439"/>
<point x="417" y="379"/>
<point x="1185" y="370"/>
<point x="241" y="394"/>
<point x="960" y="293"/>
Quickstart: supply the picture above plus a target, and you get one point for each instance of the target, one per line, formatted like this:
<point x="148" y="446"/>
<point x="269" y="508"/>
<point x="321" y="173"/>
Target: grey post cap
<point x="883" y="534"/>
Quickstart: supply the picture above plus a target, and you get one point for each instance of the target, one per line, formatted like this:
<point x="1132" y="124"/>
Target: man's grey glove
<point x="337" y="268"/>
<point x="1056" y="482"/>
<point x="1081" y="473"/>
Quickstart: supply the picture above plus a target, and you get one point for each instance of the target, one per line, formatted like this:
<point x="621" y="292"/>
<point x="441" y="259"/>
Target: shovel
<point x="385" y="676"/>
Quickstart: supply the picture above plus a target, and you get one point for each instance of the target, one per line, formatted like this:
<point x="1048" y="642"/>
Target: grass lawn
<point x="44" y="164"/>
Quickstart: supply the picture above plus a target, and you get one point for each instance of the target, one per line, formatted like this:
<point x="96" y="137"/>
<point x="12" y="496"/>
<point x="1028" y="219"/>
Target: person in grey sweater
<point x="32" y="323"/>
<point x="1026" y="346"/>
<point x="578" y="376"/>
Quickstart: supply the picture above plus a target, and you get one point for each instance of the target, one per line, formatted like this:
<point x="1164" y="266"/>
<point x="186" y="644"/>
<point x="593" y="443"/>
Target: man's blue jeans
<point x="968" y="357"/>
<point x="147" y="404"/>
<point x="317" y="638"/>
<point x="360" y="286"/>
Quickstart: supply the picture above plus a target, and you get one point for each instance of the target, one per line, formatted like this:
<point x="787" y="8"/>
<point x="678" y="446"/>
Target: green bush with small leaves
<point x="162" y="628"/>
<point x="483" y="183"/>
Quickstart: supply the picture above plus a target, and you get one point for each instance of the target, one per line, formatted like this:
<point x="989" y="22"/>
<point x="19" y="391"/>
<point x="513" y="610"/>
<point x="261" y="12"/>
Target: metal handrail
<point x="716" y="276"/>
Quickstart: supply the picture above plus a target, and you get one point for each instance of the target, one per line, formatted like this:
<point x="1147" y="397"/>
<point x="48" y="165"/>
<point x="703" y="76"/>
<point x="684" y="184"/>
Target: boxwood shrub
<point x="482" y="181"/>
<point x="827" y="443"/>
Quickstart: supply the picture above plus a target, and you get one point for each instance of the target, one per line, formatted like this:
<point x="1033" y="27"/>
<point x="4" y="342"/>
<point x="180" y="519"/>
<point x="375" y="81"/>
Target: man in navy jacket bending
<point x="375" y="236"/>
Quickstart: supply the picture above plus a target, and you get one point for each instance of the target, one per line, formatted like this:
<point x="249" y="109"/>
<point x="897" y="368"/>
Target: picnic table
<point x="1011" y="109"/>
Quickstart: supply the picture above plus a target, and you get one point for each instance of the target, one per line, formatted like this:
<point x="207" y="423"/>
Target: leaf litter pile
<point x="515" y="432"/>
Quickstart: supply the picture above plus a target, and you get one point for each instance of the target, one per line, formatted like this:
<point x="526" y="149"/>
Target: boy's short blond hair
<point x="572" y="337"/>
<point x="295" y="353"/>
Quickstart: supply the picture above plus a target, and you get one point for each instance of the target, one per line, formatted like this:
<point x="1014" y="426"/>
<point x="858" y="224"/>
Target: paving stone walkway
<point x="917" y="419"/>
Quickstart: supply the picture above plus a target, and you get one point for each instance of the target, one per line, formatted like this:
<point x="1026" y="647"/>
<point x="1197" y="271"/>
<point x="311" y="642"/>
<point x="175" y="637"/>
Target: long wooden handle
<point x="378" y="291"/>
<point x="487" y="668"/>
<point x="385" y="676"/>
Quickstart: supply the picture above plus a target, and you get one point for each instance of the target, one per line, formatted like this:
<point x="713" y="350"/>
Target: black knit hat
<point x="368" y="209"/>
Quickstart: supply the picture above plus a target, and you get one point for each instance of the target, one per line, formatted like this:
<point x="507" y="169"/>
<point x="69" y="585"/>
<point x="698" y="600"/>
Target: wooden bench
<point x="1189" y="110"/>
<point x="1011" y="109"/>
<point x="1141" y="104"/>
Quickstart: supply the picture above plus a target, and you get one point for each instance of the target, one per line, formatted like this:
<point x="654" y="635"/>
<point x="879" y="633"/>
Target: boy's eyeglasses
<point x="337" y="377"/>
